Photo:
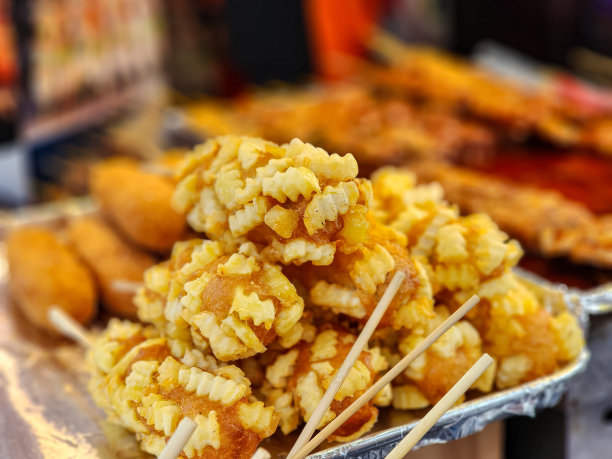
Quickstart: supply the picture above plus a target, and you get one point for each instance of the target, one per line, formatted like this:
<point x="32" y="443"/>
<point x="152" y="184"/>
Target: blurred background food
<point x="507" y="106"/>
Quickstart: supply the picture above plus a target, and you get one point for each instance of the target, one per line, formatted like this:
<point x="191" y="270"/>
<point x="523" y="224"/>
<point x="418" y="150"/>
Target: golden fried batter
<point x="144" y="384"/>
<point x="466" y="255"/>
<point x="236" y="303"/>
<point x="297" y="380"/>
<point x="355" y="281"/>
<point x="138" y="204"/>
<point x="110" y="259"/>
<point x="45" y="273"/>
<point x="296" y="199"/>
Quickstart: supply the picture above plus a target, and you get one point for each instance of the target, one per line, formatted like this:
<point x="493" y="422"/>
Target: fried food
<point x="234" y="304"/>
<point x="549" y="223"/>
<point x="437" y="370"/>
<point x="354" y="283"/>
<point x="525" y="338"/>
<point x="462" y="252"/>
<point x="297" y="200"/>
<point x="345" y="118"/>
<point x="297" y="380"/>
<point x="466" y="255"/>
<point x="45" y="273"/>
<point x="110" y="259"/>
<point x="138" y="204"/>
<point x="290" y="222"/>
<point x="143" y="383"/>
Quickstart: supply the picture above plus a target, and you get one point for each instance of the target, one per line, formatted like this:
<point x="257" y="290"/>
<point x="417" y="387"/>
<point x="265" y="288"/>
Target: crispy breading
<point x="44" y="273"/>
<point x="236" y="303"/>
<point x="355" y="281"/>
<point x="138" y="204"/>
<point x="292" y="198"/>
<point x="110" y="259"/>
<point x="297" y="380"/>
<point x="144" y="385"/>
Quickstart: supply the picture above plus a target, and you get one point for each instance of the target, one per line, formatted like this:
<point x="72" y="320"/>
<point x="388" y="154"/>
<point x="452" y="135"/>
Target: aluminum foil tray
<point x="46" y="411"/>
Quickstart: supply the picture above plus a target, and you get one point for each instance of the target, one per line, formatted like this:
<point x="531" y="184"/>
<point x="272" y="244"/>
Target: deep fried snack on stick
<point x="459" y="252"/>
<point x="110" y="259"/>
<point x="435" y="371"/>
<point x="297" y="380"/>
<point x="234" y="303"/>
<point x="355" y="281"/>
<point x="44" y="273"/>
<point x="296" y="199"/>
<point x="138" y="204"/>
<point x="453" y="395"/>
<point x="144" y="385"/>
<point x="376" y="390"/>
<point x="550" y="223"/>
<point x="470" y="255"/>
<point x="526" y="339"/>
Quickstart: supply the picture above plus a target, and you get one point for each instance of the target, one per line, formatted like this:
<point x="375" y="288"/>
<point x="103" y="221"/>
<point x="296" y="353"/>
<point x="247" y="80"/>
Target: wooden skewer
<point x="351" y="358"/>
<point x="69" y="327"/>
<point x="125" y="286"/>
<point x="72" y="329"/>
<point x="387" y="378"/>
<point x="440" y="408"/>
<point x="179" y="439"/>
<point x="261" y="453"/>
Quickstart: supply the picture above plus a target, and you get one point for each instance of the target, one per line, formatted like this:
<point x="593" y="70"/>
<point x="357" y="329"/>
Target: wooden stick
<point x="179" y="439"/>
<point x="72" y="329"/>
<point x="440" y="408"/>
<point x="387" y="377"/>
<point x="351" y="358"/>
<point x="125" y="286"/>
<point x="69" y="327"/>
<point x="261" y="453"/>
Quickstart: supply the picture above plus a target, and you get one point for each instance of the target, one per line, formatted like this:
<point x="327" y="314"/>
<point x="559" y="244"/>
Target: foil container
<point x="46" y="411"/>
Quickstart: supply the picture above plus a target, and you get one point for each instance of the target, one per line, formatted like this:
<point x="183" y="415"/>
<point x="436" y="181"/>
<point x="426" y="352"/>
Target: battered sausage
<point x="43" y="273"/>
<point x="138" y="204"/>
<point x="110" y="259"/>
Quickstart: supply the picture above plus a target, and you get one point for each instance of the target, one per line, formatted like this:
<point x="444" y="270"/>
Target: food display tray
<point x="46" y="411"/>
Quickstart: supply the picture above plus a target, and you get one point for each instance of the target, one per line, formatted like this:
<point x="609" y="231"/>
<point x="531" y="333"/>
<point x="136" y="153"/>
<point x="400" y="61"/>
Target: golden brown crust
<point x="44" y="273"/>
<point x="144" y="385"/>
<point x="296" y="381"/>
<point x="465" y="255"/>
<point x="138" y="204"/>
<point x="111" y="259"/>
<point x="236" y="303"/>
<point x="550" y="224"/>
<point x="355" y="281"/>
<point x="294" y="199"/>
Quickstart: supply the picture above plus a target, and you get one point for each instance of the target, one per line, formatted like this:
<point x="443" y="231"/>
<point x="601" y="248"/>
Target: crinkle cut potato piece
<point x="234" y="304"/>
<point x="296" y="200"/>
<point x="466" y="255"/>
<point x="297" y="380"/>
<point x="44" y="272"/>
<point x="354" y="283"/>
<point x="143" y="383"/>
<point x="526" y="339"/>
<point x="437" y="370"/>
<point x="461" y="252"/>
<point x="138" y="204"/>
